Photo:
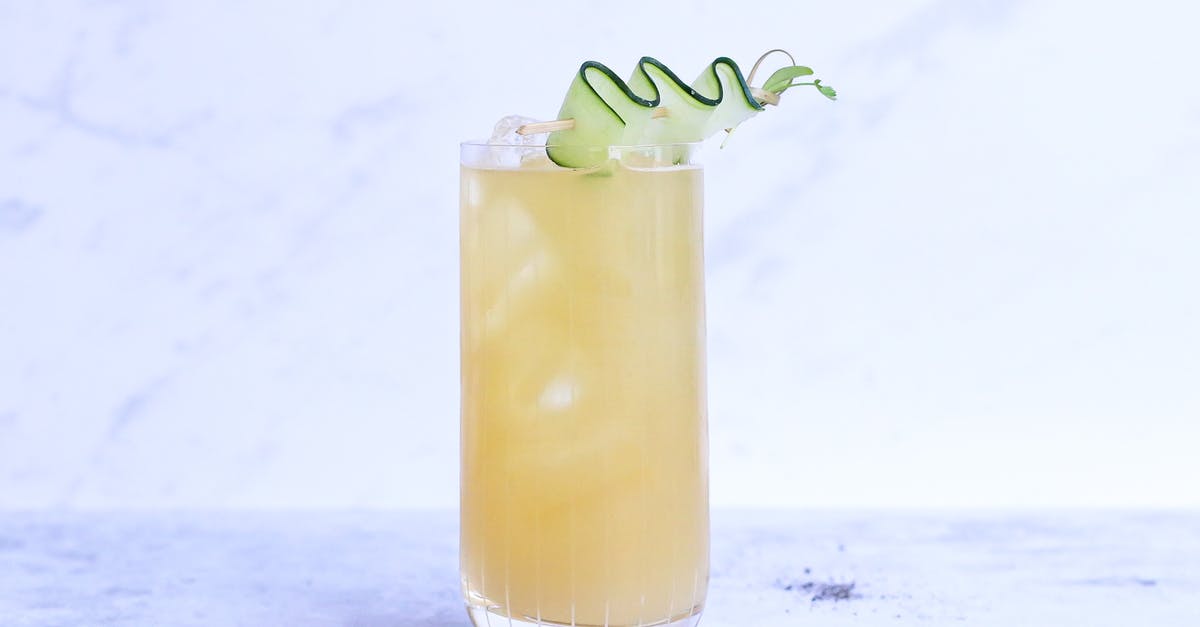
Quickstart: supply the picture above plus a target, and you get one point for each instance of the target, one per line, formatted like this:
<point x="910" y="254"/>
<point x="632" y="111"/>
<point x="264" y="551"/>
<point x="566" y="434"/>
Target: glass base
<point x="482" y="617"/>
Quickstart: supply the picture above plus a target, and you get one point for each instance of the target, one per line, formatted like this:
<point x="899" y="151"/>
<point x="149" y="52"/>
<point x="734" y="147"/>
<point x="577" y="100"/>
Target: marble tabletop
<point x="770" y="568"/>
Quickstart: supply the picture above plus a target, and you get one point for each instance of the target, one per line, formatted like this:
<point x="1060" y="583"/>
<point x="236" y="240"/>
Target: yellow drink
<point x="584" y="445"/>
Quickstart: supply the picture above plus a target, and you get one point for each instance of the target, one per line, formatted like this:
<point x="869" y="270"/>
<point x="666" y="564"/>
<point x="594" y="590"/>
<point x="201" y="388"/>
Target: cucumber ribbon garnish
<point x="656" y="107"/>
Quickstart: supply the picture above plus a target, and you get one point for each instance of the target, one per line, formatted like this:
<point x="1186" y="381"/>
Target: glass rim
<point x="483" y="143"/>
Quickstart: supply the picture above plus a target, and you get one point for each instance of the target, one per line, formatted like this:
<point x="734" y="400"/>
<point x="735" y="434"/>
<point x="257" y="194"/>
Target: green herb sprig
<point x="783" y="80"/>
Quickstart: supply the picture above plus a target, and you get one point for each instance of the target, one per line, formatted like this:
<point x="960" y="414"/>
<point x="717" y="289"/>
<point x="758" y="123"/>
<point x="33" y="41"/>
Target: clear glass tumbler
<point x="584" y="426"/>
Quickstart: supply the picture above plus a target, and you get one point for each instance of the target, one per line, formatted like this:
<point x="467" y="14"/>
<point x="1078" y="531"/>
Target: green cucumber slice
<point x="609" y="111"/>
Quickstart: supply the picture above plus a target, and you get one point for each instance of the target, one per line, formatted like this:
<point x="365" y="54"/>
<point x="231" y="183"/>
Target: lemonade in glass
<point x="584" y="488"/>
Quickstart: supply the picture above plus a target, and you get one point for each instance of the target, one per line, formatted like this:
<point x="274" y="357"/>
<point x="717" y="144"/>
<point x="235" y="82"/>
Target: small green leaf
<point x="826" y="90"/>
<point x="780" y="79"/>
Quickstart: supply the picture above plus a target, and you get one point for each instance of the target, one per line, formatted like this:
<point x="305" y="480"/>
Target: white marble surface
<point x="1036" y="569"/>
<point x="228" y="246"/>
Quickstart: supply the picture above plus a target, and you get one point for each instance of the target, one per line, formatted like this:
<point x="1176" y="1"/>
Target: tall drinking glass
<point x="584" y="428"/>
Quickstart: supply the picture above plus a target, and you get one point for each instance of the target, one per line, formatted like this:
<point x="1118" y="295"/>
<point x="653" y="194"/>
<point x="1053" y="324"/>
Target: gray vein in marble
<point x="134" y="406"/>
<point x="127" y="31"/>
<point x="368" y="115"/>
<point x="58" y="103"/>
<point x="16" y="215"/>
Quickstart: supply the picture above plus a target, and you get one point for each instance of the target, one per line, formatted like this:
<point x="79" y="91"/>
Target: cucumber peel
<point x="608" y="111"/>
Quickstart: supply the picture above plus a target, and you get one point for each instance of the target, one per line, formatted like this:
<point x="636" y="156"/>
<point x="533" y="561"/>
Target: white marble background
<point x="228" y="247"/>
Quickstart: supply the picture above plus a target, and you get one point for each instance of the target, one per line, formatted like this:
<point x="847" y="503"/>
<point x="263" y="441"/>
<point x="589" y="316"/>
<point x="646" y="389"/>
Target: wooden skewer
<point x="534" y="128"/>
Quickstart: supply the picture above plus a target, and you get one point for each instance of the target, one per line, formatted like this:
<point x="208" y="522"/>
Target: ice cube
<point x="520" y="290"/>
<point x="514" y="148"/>
<point x="536" y="159"/>
<point x="505" y="132"/>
